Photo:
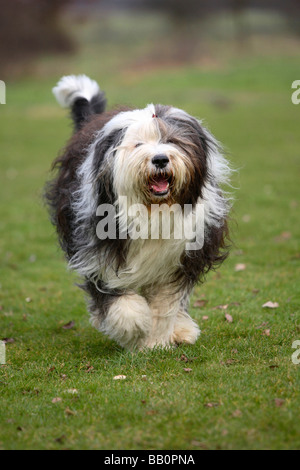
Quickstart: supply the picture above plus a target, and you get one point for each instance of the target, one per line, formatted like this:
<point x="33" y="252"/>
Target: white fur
<point x="71" y="87"/>
<point x="128" y="321"/>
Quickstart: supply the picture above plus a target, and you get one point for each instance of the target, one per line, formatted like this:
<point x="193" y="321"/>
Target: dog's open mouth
<point x="159" y="185"/>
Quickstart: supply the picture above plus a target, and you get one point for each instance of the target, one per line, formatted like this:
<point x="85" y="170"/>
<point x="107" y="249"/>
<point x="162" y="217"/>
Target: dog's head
<point x="160" y="156"/>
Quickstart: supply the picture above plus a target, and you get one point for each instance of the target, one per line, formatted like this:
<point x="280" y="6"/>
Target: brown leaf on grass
<point x="270" y="304"/>
<point x="119" y="377"/>
<point x="50" y="370"/>
<point x="255" y="291"/>
<point x="200" y="303"/>
<point x="187" y="369"/>
<point x="237" y="414"/>
<point x="240" y="267"/>
<point x="221" y="307"/>
<point x="69" y="325"/>
<point x="211" y="405"/>
<point x="284" y="236"/>
<point x="266" y="332"/>
<point x="228" y="318"/>
<point x="234" y="351"/>
<point x="8" y="340"/>
<point x="273" y="366"/>
<point x="69" y="412"/>
<point x="205" y="317"/>
<point x="184" y="358"/>
<point x="60" y="439"/>
<point x="56" y="400"/>
<point x="199" y="444"/>
<point x="151" y="412"/>
<point x="230" y="361"/>
<point x="265" y="323"/>
<point x="279" y="402"/>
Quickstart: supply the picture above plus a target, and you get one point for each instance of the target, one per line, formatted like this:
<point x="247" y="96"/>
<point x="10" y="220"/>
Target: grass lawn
<point x="243" y="390"/>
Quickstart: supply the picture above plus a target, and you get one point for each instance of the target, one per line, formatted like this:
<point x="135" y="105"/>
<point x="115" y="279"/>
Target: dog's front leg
<point x="171" y="323"/>
<point x="164" y="306"/>
<point x="126" y="319"/>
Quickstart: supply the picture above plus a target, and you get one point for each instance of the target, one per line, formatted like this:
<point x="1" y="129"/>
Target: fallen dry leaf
<point x="279" y="402"/>
<point x="270" y="304"/>
<point x="228" y="317"/>
<point x="211" y="405"/>
<point x="56" y="400"/>
<point x="205" y="317"/>
<point x="184" y="358"/>
<point x="221" y="307"/>
<point x="199" y="444"/>
<point x="240" y="267"/>
<point x="237" y="414"/>
<point x="230" y="361"/>
<point x="69" y="325"/>
<point x="284" y="236"/>
<point x="200" y="303"/>
<point x="273" y="366"/>
<point x="119" y="377"/>
<point x="265" y="323"/>
<point x="28" y="299"/>
<point x="266" y="332"/>
<point x="69" y="412"/>
<point x="8" y="340"/>
<point x="73" y="391"/>
<point x="187" y="369"/>
<point x="61" y="439"/>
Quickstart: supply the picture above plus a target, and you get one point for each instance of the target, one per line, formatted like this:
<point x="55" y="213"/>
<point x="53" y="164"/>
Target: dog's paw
<point x="186" y="330"/>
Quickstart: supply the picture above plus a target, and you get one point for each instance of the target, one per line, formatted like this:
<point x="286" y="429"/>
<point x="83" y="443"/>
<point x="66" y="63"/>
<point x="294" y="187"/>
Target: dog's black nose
<point x="160" y="161"/>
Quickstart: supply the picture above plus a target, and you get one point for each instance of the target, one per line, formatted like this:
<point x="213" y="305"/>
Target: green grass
<point x="248" y="107"/>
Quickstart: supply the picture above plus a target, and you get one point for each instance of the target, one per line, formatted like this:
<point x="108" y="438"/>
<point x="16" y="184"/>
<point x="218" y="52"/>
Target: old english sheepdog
<point x="125" y="188"/>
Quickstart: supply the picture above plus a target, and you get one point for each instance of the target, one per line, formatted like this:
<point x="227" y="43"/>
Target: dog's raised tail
<point x="82" y="95"/>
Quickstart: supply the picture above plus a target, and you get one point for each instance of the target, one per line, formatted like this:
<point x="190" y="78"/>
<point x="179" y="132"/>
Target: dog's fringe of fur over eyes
<point x="138" y="289"/>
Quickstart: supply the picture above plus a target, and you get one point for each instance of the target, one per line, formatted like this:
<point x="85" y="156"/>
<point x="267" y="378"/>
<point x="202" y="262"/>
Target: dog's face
<point x="161" y="156"/>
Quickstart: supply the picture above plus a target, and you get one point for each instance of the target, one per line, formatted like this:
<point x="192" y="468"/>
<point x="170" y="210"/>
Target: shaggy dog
<point x="158" y="158"/>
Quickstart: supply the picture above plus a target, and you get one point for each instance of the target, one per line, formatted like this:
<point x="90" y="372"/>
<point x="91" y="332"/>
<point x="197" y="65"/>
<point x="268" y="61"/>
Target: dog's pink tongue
<point x="160" y="185"/>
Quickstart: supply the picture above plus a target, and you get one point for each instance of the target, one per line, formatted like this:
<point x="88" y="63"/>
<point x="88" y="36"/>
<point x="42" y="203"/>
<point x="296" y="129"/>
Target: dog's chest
<point x="148" y="262"/>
